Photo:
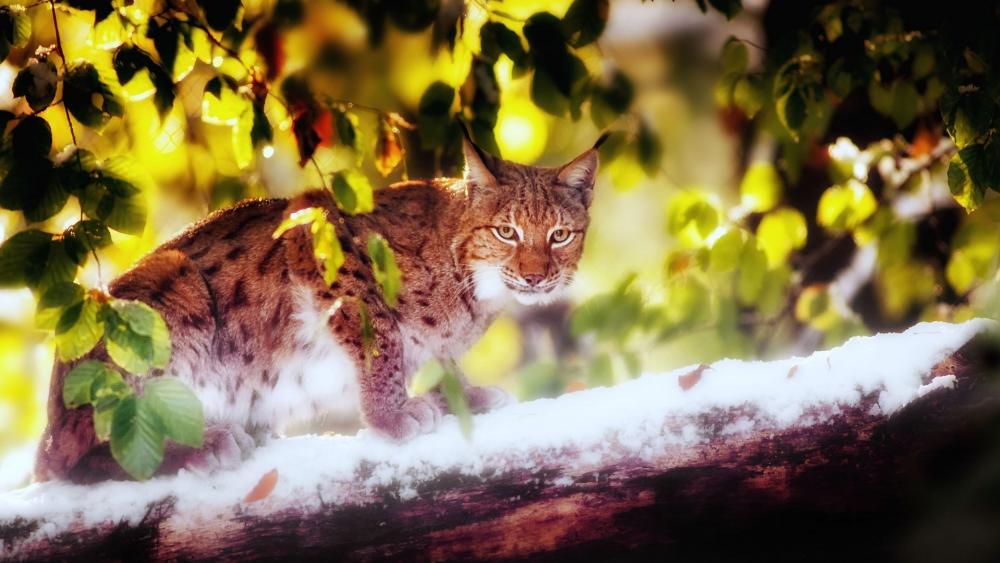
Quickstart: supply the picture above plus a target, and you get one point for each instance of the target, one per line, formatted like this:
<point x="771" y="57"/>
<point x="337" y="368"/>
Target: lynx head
<point x="524" y="225"/>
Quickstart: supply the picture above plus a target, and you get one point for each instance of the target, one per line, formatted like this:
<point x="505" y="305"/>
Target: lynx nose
<point x="533" y="279"/>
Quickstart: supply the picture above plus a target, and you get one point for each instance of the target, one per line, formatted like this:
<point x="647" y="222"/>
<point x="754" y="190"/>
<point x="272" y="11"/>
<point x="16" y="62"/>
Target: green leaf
<point x="15" y="30"/>
<point x="905" y="104"/>
<point x="815" y="307"/>
<point x="61" y="295"/>
<point x="101" y="8"/>
<point x="760" y="189"/>
<point x="846" y="206"/>
<point x="458" y="404"/>
<point x="32" y="138"/>
<point x="546" y="95"/>
<point x="129" y="60"/>
<point x="544" y="33"/>
<point x="326" y="245"/>
<point x="751" y="274"/>
<point x="961" y="271"/>
<point x="88" y="97"/>
<point x="220" y="15"/>
<point x="37" y="83"/>
<point x="691" y="217"/>
<point x="387" y="273"/>
<point x="104" y="410"/>
<point x="261" y="133"/>
<point x="23" y="258"/>
<point x="137" y="437"/>
<point x="496" y="38"/>
<point x="791" y="108"/>
<point x="113" y="199"/>
<point x="728" y="8"/>
<point x="414" y="15"/>
<point x="32" y="187"/>
<point x="648" y="150"/>
<point x="136" y="336"/>
<point x="584" y="21"/>
<point x="353" y="192"/>
<point x="735" y="57"/>
<point x="748" y="95"/>
<point x="688" y="302"/>
<point x="83" y="237"/>
<point x="434" y="114"/>
<point x="346" y="124"/>
<point x="780" y="232"/>
<point x="600" y="372"/>
<point x="79" y="329"/>
<point x="79" y="383"/>
<point x="178" y="408"/>
<point x="966" y="174"/>
<point x="726" y="251"/>
<point x="610" y="99"/>
<point x="166" y="38"/>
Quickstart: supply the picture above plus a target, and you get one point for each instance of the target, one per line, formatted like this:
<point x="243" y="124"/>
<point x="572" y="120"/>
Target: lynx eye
<point x="505" y="233"/>
<point x="560" y="236"/>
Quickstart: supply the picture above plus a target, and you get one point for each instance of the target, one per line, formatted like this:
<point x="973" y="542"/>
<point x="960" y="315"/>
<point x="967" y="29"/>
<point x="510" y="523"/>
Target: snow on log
<point x="704" y="460"/>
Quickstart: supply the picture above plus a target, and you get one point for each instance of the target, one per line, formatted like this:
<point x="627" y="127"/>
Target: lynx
<point x="266" y="343"/>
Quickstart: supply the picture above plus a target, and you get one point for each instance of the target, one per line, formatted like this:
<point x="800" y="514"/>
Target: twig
<point x="72" y="134"/>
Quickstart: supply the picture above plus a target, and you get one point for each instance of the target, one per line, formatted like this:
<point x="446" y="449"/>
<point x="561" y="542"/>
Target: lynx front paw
<point x="225" y="446"/>
<point x="487" y="398"/>
<point x="418" y="415"/>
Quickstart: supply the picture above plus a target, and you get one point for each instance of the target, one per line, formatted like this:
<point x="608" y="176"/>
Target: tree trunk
<point x="836" y="482"/>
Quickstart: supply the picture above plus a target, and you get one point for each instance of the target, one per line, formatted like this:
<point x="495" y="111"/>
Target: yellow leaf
<point x="781" y="232"/>
<point x="760" y="189"/>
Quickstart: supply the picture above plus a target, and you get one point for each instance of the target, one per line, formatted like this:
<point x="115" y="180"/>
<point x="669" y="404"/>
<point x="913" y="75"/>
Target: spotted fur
<point x="267" y="345"/>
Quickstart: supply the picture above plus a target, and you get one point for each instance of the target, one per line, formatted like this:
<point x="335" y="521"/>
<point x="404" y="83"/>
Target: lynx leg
<point x="170" y="283"/>
<point x="385" y="406"/>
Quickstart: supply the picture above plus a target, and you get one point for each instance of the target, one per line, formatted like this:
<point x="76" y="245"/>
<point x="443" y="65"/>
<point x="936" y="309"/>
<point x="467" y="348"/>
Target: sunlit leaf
<point x="846" y="206"/>
<point x="966" y="177"/>
<point x="178" y="408"/>
<point x="691" y="217"/>
<point x="735" y="56"/>
<point x="79" y="329"/>
<point x="454" y="394"/>
<point x="751" y="274"/>
<point x="387" y="273"/>
<point x="15" y="30"/>
<point x="77" y="388"/>
<point x="726" y="251"/>
<point x="90" y="100"/>
<point x="353" y="191"/>
<point x="780" y="232"/>
<point x="136" y="336"/>
<point x="760" y="189"/>
<point x="326" y="245"/>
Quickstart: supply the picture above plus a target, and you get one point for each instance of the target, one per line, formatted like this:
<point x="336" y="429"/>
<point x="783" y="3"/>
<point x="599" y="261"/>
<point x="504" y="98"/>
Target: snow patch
<point x="646" y="417"/>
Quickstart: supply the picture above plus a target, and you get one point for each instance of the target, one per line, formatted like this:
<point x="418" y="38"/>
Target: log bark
<point x="842" y="487"/>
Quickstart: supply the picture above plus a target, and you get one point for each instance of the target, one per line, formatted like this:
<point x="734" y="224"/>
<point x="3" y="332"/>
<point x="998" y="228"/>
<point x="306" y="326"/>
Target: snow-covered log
<point x="801" y="456"/>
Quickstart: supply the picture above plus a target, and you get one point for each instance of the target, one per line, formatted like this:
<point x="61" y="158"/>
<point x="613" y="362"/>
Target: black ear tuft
<point x="600" y="140"/>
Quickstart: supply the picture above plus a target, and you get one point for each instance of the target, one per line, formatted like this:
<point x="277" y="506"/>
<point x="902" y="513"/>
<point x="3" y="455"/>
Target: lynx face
<point x="525" y="226"/>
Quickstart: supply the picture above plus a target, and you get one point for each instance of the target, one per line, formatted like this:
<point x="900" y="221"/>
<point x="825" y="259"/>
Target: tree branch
<point x="794" y="458"/>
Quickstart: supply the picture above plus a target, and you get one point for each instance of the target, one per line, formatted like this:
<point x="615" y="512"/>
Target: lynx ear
<point x="477" y="163"/>
<point x="581" y="172"/>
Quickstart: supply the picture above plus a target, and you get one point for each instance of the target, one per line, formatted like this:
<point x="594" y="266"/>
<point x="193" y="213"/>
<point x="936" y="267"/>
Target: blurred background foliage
<point x="780" y="176"/>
